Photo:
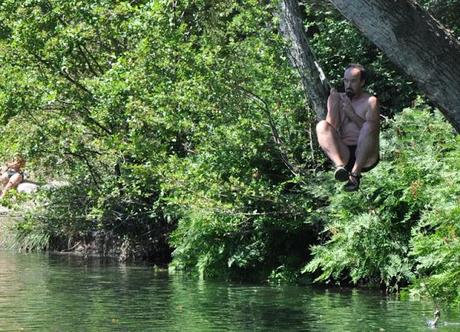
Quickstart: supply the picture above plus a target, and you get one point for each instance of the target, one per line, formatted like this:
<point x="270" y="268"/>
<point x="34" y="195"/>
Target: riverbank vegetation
<point x="184" y="138"/>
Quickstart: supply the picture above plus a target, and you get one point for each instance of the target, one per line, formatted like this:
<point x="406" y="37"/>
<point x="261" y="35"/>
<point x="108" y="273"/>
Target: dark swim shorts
<point x="11" y="172"/>
<point x="351" y="161"/>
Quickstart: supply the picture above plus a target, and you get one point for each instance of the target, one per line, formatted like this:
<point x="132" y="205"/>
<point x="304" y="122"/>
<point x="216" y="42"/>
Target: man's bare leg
<point x="367" y="150"/>
<point x="328" y="132"/>
<point x="367" y="154"/>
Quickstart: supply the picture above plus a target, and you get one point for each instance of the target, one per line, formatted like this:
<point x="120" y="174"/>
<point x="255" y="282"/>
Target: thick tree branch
<point x="87" y="61"/>
<point x="314" y="82"/>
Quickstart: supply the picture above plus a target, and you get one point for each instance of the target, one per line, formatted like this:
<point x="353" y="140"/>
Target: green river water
<point x="41" y="292"/>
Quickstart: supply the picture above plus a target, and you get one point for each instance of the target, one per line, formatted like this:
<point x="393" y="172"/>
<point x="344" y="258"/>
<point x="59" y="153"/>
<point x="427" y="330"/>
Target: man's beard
<point x="350" y="94"/>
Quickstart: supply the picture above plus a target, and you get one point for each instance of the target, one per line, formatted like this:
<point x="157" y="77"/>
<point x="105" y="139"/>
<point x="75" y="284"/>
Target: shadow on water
<point x="65" y="293"/>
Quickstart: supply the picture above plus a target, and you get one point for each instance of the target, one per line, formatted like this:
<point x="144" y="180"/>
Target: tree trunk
<point x="313" y="80"/>
<point x="417" y="43"/>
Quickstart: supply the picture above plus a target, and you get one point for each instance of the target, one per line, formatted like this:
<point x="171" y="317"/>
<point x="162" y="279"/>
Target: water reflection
<point x="63" y="293"/>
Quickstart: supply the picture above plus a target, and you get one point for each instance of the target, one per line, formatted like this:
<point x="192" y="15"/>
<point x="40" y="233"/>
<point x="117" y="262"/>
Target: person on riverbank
<point x="13" y="175"/>
<point x="350" y="134"/>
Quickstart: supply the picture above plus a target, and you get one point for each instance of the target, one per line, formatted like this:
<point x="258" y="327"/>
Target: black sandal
<point x="341" y="174"/>
<point x="353" y="182"/>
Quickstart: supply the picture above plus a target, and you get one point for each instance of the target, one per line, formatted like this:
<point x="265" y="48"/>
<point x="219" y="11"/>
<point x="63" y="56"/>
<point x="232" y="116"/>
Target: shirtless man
<point x="350" y="134"/>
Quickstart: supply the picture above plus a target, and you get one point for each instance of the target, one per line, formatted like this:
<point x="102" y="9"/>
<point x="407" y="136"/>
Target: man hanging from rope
<point x="350" y="134"/>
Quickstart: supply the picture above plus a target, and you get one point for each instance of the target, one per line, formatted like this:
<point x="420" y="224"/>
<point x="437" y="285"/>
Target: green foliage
<point x="30" y="236"/>
<point x="436" y="250"/>
<point x="435" y="241"/>
<point x="59" y="221"/>
<point x="83" y="87"/>
<point x="122" y="100"/>
<point x="264" y="229"/>
<point x="238" y="204"/>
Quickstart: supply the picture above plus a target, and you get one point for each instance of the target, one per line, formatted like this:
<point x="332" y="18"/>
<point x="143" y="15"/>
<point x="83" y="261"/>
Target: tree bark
<point x="417" y="43"/>
<point x="314" y="82"/>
